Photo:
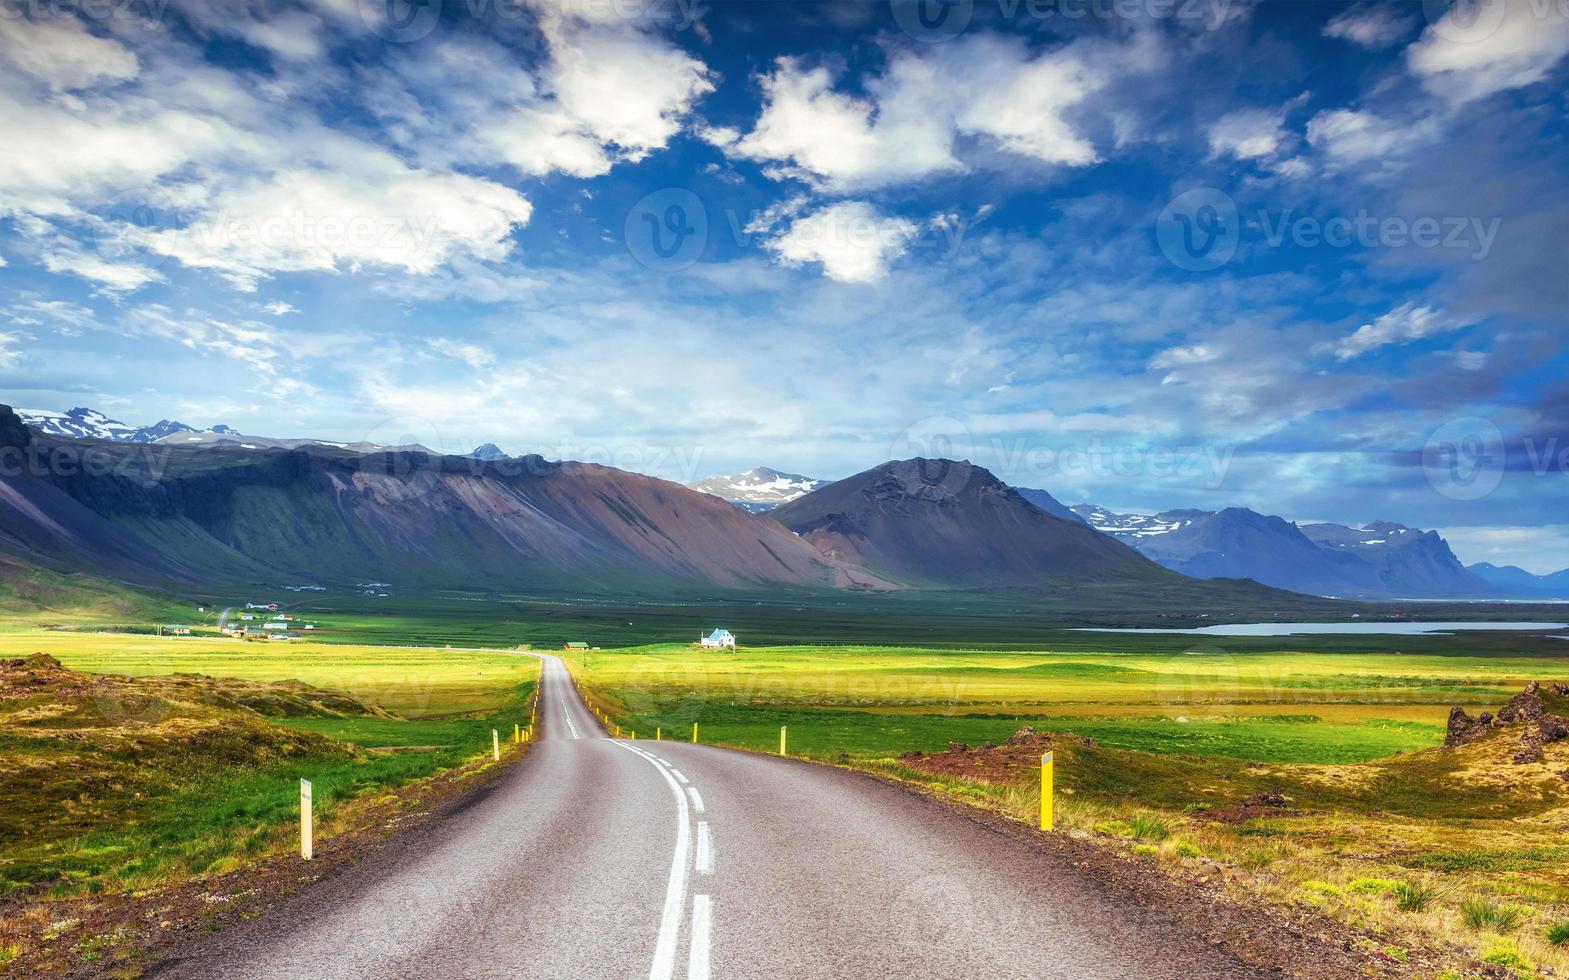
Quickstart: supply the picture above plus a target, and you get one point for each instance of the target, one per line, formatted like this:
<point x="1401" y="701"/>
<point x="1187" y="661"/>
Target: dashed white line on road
<point x="705" y="849"/>
<point x="664" y="964"/>
<point x="697" y="801"/>
<point x="702" y="921"/>
<point x="683" y="779"/>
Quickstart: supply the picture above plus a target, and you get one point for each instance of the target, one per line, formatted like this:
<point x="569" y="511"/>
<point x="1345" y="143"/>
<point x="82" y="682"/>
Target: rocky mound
<point x="1540" y="716"/>
<point x="1004" y="762"/>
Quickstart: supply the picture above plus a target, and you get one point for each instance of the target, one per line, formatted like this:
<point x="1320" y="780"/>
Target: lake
<point x="1370" y="629"/>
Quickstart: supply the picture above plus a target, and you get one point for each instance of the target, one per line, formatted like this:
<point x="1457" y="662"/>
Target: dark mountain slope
<point x="953" y="524"/>
<point x="174" y="513"/>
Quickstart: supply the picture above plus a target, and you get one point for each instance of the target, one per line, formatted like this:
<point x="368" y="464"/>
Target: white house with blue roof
<point x="718" y="638"/>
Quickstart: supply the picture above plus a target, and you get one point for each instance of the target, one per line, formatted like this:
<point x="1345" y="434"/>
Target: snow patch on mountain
<point x="87" y="423"/>
<point x="760" y="489"/>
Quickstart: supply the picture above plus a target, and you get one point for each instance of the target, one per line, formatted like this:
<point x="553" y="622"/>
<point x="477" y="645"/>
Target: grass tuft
<point x="1484" y="914"/>
<point x="1148" y="827"/>
<point x="1415" y="896"/>
<point x="1557" y="933"/>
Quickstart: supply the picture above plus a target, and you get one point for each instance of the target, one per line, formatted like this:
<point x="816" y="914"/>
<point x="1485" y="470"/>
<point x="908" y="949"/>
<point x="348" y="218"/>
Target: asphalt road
<point x="600" y="858"/>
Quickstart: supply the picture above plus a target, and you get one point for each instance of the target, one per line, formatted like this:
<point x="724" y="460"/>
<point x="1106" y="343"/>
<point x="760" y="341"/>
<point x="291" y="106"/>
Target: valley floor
<point x="1299" y="775"/>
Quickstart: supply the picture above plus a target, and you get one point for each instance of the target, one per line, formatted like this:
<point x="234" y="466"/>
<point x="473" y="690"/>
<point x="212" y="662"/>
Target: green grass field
<point x="107" y="792"/>
<point x="869" y="702"/>
<point x="414" y="683"/>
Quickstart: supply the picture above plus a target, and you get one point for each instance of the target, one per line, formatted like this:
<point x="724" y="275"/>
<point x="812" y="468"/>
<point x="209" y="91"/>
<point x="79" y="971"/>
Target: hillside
<point x="175" y="513"/>
<point x="954" y="524"/>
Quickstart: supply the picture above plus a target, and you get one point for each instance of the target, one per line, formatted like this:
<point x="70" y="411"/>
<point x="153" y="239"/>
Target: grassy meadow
<point x="869" y="702"/>
<point x="1308" y="781"/>
<point x="1162" y="739"/>
<point x="146" y="761"/>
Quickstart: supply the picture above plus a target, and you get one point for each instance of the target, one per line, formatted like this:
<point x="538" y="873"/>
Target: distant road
<point x="595" y="858"/>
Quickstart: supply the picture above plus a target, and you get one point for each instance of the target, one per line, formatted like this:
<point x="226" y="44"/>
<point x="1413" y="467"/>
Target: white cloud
<point x="626" y="89"/>
<point x="1370" y="26"/>
<point x="10" y="354"/>
<point x="1478" y="49"/>
<point x="1400" y="325"/>
<point x="908" y="124"/>
<point x="332" y="221"/>
<point x="278" y="308"/>
<point x="250" y="342"/>
<point x="473" y="355"/>
<point x="60" y="154"/>
<point x="820" y="134"/>
<point x="607" y="94"/>
<point x="1248" y="134"/>
<point x="1181" y="356"/>
<point x="851" y="240"/>
<point x="1351" y="136"/>
<point x="246" y="180"/>
<point x="59" y="51"/>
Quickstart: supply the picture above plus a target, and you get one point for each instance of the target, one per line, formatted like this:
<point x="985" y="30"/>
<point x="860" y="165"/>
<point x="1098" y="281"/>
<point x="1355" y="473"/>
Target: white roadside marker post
<point x="307" y="830"/>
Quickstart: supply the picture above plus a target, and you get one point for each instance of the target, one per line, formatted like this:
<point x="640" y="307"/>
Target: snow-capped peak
<point x="759" y="489"/>
<point x="87" y="423"/>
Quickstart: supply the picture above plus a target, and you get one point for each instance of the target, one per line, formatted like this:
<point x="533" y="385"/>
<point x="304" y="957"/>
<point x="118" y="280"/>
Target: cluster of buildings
<point x="263" y="621"/>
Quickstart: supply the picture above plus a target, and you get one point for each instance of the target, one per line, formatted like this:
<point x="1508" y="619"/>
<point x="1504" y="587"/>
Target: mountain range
<point x="1378" y="560"/>
<point x="219" y="513"/>
<point x="213" y="506"/>
<point x="759" y="490"/>
<point x="87" y="423"/>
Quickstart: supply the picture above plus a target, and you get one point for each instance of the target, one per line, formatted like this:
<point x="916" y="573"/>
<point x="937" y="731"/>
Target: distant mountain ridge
<point x="1518" y="582"/>
<point x="1380" y="560"/>
<point x="87" y="423"/>
<point x="760" y="489"/>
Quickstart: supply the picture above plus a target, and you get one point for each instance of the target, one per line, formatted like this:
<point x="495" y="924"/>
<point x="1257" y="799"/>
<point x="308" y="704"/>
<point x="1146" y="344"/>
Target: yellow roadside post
<point x="1046" y="779"/>
<point x="781" y="739"/>
<point x="517" y="733"/>
<point x="307" y="830"/>
<point x="495" y="745"/>
<point x="659" y="734"/>
<point x="694" y="733"/>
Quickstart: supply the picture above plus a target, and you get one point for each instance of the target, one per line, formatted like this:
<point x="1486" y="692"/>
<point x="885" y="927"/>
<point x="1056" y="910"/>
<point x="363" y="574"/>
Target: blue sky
<point x="1301" y="256"/>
